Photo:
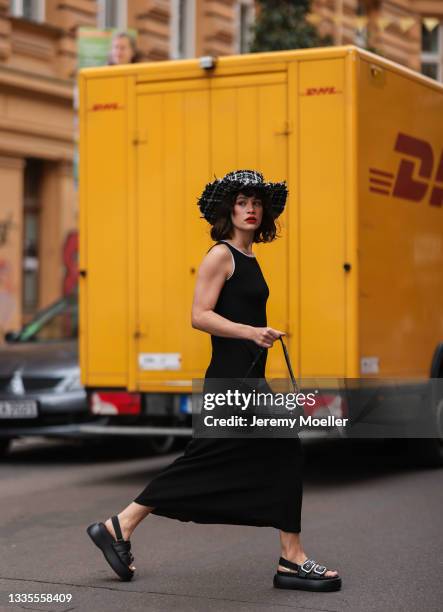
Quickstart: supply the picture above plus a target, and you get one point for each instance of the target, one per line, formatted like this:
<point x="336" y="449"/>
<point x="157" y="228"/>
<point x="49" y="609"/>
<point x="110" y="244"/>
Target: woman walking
<point x="241" y="481"/>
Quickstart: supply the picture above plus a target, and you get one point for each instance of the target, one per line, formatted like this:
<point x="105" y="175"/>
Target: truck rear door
<point x="190" y="131"/>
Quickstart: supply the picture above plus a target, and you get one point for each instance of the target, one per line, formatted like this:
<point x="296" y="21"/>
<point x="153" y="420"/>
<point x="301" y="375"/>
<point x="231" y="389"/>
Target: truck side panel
<point x="401" y="221"/>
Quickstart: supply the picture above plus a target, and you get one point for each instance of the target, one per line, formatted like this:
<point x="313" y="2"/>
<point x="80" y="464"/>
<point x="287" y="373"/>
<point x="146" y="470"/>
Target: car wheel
<point x="159" y="445"/>
<point x="4" y="446"/>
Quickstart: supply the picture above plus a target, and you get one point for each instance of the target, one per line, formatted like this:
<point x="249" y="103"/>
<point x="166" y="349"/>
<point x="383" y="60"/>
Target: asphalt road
<point x="366" y="512"/>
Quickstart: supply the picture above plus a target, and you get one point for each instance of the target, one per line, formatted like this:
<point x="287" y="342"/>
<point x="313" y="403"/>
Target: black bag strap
<point x="288" y="364"/>
<point x="255" y="360"/>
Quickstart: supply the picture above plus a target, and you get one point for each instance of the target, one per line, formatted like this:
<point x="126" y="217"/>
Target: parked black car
<point x="40" y="389"/>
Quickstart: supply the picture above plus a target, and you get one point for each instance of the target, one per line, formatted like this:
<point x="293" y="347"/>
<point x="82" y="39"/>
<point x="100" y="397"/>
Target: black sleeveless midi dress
<point x="240" y="481"/>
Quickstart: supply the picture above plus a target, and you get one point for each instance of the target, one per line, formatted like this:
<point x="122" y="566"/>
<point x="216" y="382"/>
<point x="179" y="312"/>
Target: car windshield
<point x="59" y="321"/>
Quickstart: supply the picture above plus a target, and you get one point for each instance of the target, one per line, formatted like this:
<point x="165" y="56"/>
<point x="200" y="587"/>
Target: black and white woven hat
<point x="214" y="193"/>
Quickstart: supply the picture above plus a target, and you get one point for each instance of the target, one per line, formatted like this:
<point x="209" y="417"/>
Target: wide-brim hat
<point x="215" y="192"/>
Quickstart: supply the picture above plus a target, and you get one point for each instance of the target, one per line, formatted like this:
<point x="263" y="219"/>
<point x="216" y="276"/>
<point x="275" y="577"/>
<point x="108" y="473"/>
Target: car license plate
<point x="18" y="409"/>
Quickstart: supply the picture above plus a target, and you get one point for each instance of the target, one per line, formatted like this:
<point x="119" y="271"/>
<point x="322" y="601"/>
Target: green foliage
<point x="281" y="24"/>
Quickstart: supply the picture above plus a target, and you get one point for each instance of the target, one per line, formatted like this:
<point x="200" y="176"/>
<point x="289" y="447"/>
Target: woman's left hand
<point x="265" y="336"/>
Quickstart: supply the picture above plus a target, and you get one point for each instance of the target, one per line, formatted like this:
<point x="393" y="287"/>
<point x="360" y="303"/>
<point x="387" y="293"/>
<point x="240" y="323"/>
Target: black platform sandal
<point x="117" y="552"/>
<point x="310" y="576"/>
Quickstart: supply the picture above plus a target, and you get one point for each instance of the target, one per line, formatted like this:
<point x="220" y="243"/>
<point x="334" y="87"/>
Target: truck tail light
<point x="327" y="404"/>
<point x="115" y="403"/>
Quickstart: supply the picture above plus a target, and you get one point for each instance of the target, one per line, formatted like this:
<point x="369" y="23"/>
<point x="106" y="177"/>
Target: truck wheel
<point x="425" y="452"/>
<point x="4" y="446"/>
<point x="429" y="451"/>
<point x="159" y="445"/>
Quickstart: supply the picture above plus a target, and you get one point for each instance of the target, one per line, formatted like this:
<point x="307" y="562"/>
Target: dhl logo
<point x="404" y="185"/>
<point x="320" y="91"/>
<point x="106" y="106"/>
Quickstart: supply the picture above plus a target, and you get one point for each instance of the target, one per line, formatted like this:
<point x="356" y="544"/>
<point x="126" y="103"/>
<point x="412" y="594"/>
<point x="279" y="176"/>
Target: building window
<point x="432" y="52"/>
<point x="34" y="10"/>
<point x="245" y="20"/>
<point x="182" y="29"/>
<point x="31" y="231"/>
<point x="112" y="14"/>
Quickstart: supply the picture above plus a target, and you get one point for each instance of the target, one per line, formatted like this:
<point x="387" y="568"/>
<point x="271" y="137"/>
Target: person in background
<point x="123" y="50"/>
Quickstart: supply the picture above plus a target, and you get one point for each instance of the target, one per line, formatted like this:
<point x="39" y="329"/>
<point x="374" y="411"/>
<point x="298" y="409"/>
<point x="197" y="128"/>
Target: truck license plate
<point x="18" y="409"/>
<point x="186" y="404"/>
<point x="191" y="404"/>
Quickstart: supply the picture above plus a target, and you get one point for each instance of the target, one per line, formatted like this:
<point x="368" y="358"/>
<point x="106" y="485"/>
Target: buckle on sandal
<point x="308" y="566"/>
<point x="319" y="569"/>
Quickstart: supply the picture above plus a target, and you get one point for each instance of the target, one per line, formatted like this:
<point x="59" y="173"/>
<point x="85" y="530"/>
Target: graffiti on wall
<point x="70" y="260"/>
<point x="8" y="299"/>
<point x="5" y="228"/>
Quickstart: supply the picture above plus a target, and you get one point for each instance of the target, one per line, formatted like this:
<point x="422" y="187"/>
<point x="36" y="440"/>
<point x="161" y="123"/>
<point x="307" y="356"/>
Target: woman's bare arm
<point x="212" y="274"/>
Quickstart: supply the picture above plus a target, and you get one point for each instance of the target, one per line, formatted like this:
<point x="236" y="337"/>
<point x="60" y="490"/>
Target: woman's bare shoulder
<point x="219" y="252"/>
<point x="218" y="255"/>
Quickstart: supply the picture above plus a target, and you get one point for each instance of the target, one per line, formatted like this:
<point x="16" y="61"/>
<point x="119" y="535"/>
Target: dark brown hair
<point x="223" y="227"/>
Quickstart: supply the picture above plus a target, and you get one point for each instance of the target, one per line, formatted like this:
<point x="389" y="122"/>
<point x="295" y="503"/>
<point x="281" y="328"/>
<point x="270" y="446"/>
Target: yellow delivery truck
<point x="356" y="278"/>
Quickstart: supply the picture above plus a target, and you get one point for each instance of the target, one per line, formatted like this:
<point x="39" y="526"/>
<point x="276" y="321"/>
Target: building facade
<point x="38" y="205"/>
<point x="409" y="32"/>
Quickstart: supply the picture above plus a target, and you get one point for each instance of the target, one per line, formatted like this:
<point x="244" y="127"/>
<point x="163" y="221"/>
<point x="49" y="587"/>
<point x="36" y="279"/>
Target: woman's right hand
<point x="265" y="336"/>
